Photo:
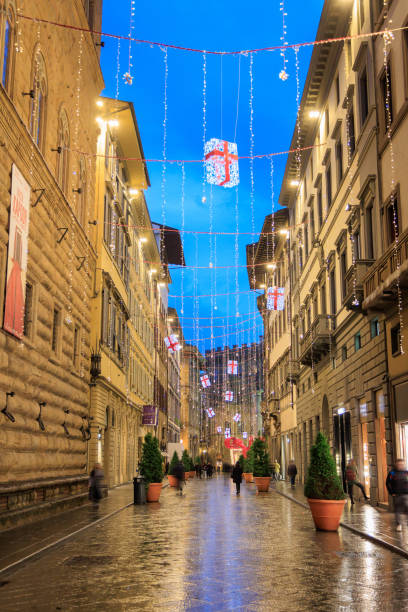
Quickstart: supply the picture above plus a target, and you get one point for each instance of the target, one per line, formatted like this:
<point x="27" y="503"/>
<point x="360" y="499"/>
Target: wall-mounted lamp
<point x="5" y="410"/>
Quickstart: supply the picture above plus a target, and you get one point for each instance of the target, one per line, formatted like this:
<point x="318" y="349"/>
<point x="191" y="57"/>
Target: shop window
<point x="357" y="341"/>
<point x="374" y="327"/>
<point x="396" y="340"/>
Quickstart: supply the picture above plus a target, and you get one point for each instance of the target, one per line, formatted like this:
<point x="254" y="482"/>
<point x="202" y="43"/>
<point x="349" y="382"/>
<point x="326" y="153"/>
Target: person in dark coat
<point x="237" y="476"/>
<point x="352" y="480"/>
<point x="179" y="473"/>
<point x="95" y="483"/>
<point x="292" y="472"/>
<point x="397" y="486"/>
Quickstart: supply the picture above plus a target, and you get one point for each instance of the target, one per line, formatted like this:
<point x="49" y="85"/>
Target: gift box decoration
<point x="229" y="396"/>
<point x="237" y="417"/>
<point x="211" y="413"/>
<point x="205" y="381"/>
<point x="275" y="298"/>
<point x="221" y="160"/>
<point x="172" y="343"/>
<point x="232" y="367"/>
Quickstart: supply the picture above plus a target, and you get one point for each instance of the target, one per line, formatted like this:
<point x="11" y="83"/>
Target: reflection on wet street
<point x="210" y="550"/>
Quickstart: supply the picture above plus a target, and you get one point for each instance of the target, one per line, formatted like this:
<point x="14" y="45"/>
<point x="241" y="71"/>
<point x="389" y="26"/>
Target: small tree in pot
<point x="323" y="487"/>
<point x="262" y="474"/>
<point x="185" y="459"/>
<point x="171" y="477"/>
<point x="151" y="467"/>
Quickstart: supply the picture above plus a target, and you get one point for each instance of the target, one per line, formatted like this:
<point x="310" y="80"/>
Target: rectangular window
<point x="328" y="187"/>
<point x="312" y="224"/>
<point x="28" y="311"/>
<point x="357" y="245"/>
<point x="374" y="328"/>
<point x="107" y="228"/>
<point x="343" y="353"/>
<point x="323" y="299"/>
<point x="76" y="344"/>
<point x="56" y="320"/>
<point x="300" y="260"/>
<point x="327" y="121"/>
<point x="392" y="220"/>
<point x="351" y="132"/>
<point x="343" y="272"/>
<point x="369" y="232"/>
<point x="320" y="207"/>
<point x="357" y="342"/>
<point x="5" y="73"/>
<point x="306" y="240"/>
<point x="332" y="293"/>
<point x="337" y="90"/>
<point x="396" y="340"/>
<point x="339" y="160"/>
<point x="386" y="92"/>
<point x="363" y="92"/>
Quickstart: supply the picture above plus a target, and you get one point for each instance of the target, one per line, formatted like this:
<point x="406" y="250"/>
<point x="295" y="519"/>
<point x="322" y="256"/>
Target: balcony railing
<point x="293" y="371"/>
<point x="381" y="281"/>
<point x="317" y="341"/>
<point x="355" y="275"/>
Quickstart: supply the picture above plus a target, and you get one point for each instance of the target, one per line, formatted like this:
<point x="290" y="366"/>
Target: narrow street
<point x="210" y="550"/>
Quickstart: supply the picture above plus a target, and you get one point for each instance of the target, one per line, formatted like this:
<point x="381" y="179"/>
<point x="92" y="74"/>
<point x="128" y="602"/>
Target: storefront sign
<point x="17" y="254"/>
<point x="150" y="416"/>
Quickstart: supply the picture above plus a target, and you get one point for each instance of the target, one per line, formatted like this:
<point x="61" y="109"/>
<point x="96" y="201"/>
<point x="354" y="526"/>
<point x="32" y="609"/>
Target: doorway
<point x="342" y="443"/>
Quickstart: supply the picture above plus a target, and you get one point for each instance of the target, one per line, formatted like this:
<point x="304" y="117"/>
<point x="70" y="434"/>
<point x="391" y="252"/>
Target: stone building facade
<point x="344" y="200"/>
<point x="174" y="382"/>
<point x="191" y="401"/>
<point x="50" y="80"/>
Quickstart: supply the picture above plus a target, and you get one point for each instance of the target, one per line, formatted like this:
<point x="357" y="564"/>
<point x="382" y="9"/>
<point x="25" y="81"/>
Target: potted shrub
<point x="262" y="474"/>
<point x="151" y="467"/>
<point x="323" y="488"/>
<point x="248" y="466"/>
<point x="173" y="481"/>
<point x="185" y="459"/>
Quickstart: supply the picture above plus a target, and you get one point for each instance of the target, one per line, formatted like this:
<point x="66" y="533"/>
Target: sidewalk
<point x="18" y="543"/>
<point x="376" y="524"/>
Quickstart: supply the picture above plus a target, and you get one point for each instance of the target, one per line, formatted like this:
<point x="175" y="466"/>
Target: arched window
<point x="38" y="100"/>
<point x="8" y="48"/>
<point x="63" y="152"/>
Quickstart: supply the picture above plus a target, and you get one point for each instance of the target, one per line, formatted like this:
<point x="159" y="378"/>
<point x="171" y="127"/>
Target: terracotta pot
<point x="262" y="483"/>
<point x="248" y="476"/>
<point x="153" y="491"/>
<point x="191" y="474"/>
<point x="173" y="481"/>
<point x="186" y="475"/>
<point x="326" y="513"/>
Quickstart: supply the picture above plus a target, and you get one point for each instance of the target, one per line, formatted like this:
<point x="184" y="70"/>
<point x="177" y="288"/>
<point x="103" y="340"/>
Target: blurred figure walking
<point x="179" y="473"/>
<point x="352" y="479"/>
<point x="292" y="472"/>
<point x="397" y="486"/>
<point x="276" y="470"/>
<point x="236" y="476"/>
<point x="95" y="483"/>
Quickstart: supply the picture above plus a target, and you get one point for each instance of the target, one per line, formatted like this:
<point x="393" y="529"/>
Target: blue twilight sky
<point x="211" y="25"/>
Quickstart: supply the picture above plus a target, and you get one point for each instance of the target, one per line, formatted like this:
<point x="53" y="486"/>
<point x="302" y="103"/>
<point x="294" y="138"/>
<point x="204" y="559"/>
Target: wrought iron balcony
<point x="317" y="341"/>
<point x="381" y="282"/>
<point x="293" y="371"/>
<point x="355" y="275"/>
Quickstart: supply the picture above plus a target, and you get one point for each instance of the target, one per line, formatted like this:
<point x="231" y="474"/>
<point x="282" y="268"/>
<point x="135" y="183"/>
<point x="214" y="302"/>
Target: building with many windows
<point x="191" y="401"/>
<point x="49" y="82"/>
<point x="345" y="251"/>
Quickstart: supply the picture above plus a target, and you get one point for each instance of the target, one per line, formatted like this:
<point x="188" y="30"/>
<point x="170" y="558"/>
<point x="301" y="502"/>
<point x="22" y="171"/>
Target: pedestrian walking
<point x="95" y="483"/>
<point x="352" y="480"/>
<point x="292" y="472"/>
<point x="197" y="468"/>
<point x="236" y="476"/>
<point x="180" y="474"/>
<point x="210" y="470"/>
<point x="276" y="469"/>
<point x="397" y="486"/>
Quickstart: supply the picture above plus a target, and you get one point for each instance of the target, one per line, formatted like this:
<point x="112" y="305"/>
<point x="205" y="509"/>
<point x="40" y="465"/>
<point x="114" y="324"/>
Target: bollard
<point x="139" y="490"/>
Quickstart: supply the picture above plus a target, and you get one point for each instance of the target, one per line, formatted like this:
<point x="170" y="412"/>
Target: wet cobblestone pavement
<point x="210" y="550"/>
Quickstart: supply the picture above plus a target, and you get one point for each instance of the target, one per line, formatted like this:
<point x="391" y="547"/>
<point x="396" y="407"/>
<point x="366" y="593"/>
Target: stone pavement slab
<point x="22" y="541"/>
<point x="210" y="551"/>
<point x="373" y="521"/>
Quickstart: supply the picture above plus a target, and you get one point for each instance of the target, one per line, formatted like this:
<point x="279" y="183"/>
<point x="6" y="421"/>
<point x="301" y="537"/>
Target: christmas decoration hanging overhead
<point x="275" y="298"/>
<point x="229" y="396"/>
<point x="237" y="417"/>
<point x="227" y="432"/>
<point x="211" y="413"/>
<point x="172" y="343"/>
<point x="232" y="367"/>
<point x="221" y="160"/>
<point x="219" y="429"/>
<point x="205" y="381"/>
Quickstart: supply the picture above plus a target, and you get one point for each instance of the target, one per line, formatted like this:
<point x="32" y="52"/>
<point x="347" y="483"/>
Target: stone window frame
<point x="382" y="113"/>
<point x="341" y="247"/>
<point x="38" y="103"/>
<point x="8" y="15"/>
<point x="360" y="66"/>
<point x="34" y="309"/>
<point x="63" y="156"/>
<point x="393" y="200"/>
<point x="56" y="330"/>
<point x="76" y="345"/>
<point x="367" y="198"/>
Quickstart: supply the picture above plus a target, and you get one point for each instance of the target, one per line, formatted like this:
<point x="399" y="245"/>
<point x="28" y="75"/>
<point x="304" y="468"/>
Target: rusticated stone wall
<point x="38" y="466"/>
